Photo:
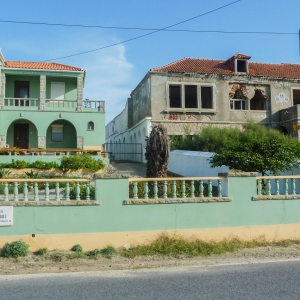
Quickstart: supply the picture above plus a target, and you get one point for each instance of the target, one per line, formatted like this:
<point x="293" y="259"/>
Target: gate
<point x="124" y="151"/>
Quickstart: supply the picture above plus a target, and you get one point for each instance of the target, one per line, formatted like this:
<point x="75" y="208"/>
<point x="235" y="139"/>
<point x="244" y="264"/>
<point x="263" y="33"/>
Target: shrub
<point x="109" y="251"/>
<point x="32" y="174"/>
<point x="20" y="164"/>
<point x="94" y="252"/>
<point x="4" y="173"/>
<point x="44" y="165"/>
<point x="76" y="162"/>
<point x="15" y="249"/>
<point x="77" y="248"/>
<point x="82" y="193"/>
<point x="41" y="251"/>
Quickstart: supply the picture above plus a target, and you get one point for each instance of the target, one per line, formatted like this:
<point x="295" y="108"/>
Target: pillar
<point x="79" y="93"/>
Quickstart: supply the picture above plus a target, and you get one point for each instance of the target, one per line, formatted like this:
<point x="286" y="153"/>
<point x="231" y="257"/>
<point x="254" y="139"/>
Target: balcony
<point x="53" y="105"/>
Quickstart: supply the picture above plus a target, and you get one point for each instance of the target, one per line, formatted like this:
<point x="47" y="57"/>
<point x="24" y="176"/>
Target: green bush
<point x="94" y="252"/>
<point x="41" y="251"/>
<point x="44" y="165"/>
<point x="32" y="174"/>
<point x="76" y="162"/>
<point x="15" y="249"/>
<point x="108" y="251"/>
<point x="77" y="248"/>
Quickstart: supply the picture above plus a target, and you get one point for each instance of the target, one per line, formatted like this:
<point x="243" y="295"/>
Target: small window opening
<point x="91" y="125"/>
<point x="175" y="96"/>
<point x="206" y="97"/>
<point x="258" y="102"/>
<point x="238" y="101"/>
<point x="241" y="66"/>
<point x="296" y="97"/>
<point x="191" y="99"/>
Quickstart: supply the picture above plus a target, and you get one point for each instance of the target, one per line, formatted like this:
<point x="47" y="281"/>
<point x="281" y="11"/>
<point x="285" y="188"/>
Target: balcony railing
<point x="52" y="104"/>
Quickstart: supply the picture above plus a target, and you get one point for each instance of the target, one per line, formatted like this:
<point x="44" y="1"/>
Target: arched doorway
<point x="23" y="134"/>
<point x="61" y="134"/>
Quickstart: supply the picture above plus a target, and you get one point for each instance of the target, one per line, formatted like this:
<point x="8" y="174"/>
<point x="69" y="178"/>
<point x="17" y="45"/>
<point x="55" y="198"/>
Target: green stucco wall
<point x="113" y="216"/>
<point x="41" y="120"/>
<point x="34" y="85"/>
<point x="70" y="87"/>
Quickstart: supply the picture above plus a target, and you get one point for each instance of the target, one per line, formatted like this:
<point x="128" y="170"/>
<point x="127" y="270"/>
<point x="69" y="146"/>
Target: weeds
<point x="176" y="246"/>
<point x="41" y="252"/>
<point x="77" y="248"/>
<point x="15" y="249"/>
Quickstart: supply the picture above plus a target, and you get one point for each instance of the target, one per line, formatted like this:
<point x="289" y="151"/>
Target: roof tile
<point x="40" y="65"/>
<point x="209" y="66"/>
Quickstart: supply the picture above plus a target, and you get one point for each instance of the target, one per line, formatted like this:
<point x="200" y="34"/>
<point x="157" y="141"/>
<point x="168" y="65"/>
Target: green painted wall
<point x="34" y="85"/>
<point x="70" y="87"/>
<point x="113" y="216"/>
<point x="69" y="136"/>
<point x="43" y="119"/>
<point x="33" y="140"/>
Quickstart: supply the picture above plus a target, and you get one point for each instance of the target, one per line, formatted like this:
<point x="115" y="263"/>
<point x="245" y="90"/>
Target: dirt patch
<point x="61" y="261"/>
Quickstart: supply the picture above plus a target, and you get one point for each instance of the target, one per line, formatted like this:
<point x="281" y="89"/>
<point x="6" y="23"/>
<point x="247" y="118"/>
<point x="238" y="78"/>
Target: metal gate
<point x="124" y="151"/>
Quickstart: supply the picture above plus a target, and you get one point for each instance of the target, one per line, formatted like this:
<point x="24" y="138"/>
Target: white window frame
<point x="182" y="95"/>
<point x="52" y="89"/>
<point x="235" y="66"/>
<point x="233" y="101"/>
<point x="57" y="126"/>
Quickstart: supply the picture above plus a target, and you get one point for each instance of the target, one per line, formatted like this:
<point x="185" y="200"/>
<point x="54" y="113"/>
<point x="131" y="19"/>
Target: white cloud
<point x="109" y="78"/>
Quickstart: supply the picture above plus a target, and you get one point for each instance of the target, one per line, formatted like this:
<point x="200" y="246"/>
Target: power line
<point x="145" y="29"/>
<point x="141" y="36"/>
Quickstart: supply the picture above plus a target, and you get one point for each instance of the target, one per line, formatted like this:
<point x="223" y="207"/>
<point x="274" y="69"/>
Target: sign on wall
<point x="6" y="215"/>
<point x="296" y="127"/>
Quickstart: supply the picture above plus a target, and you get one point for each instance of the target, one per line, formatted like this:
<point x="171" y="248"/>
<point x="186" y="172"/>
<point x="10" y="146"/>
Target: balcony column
<point x="42" y="93"/>
<point x="79" y="93"/>
<point x="2" y="90"/>
<point x="42" y="142"/>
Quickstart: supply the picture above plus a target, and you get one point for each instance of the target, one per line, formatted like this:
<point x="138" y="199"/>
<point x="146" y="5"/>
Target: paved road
<point x="279" y="280"/>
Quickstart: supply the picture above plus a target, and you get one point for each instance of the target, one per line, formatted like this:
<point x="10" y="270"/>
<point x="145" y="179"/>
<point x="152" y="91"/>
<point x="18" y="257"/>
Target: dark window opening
<point x="175" y="96"/>
<point x="191" y="99"/>
<point x="258" y="102"/>
<point x="296" y="97"/>
<point x="21" y="92"/>
<point x="206" y="97"/>
<point x="241" y="66"/>
<point x="91" y="125"/>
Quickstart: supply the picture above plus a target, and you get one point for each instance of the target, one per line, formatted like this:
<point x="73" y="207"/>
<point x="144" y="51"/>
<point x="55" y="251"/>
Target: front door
<point x="21" y="135"/>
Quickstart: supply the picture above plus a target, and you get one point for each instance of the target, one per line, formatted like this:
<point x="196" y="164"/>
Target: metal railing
<point x="171" y="187"/>
<point x="43" y="189"/>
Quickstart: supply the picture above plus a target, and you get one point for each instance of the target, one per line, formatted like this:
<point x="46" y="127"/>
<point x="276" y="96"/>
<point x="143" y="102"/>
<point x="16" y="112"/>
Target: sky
<point x="113" y="72"/>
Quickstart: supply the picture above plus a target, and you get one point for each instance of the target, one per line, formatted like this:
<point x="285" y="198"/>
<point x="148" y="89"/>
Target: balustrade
<point x="44" y="189"/>
<point x="278" y="185"/>
<point x="185" y="187"/>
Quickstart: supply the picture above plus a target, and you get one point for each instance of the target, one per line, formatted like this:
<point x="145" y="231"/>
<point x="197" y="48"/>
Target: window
<point x="206" y="97"/>
<point x="21" y="91"/>
<point x="258" y="102"/>
<point x="57" y="90"/>
<point x="238" y="101"/>
<point x="91" y="125"/>
<point x="57" y="131"/>
<point x="296" y="97"/>
<point x="190" y="96"/>
<point x="175" y="96"/>
<point x="241" y="66"/>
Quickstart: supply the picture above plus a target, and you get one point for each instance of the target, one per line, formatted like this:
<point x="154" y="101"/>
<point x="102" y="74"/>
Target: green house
<point x="42" y="106"/>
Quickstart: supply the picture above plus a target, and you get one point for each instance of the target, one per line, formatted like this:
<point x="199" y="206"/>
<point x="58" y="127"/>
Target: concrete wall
<point x="113" y="222"/>
<point x="193" y="164"/>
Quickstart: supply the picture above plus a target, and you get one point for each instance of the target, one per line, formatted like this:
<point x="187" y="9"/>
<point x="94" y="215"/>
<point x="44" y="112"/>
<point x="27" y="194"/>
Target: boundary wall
<point x="109" y="220"/>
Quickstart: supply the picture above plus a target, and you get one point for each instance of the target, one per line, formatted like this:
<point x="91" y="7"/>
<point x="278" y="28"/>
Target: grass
<point x="176" y="246"/>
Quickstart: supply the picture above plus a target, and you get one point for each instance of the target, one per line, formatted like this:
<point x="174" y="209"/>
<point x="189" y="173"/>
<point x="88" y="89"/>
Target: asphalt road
<point x="279" y="280"/>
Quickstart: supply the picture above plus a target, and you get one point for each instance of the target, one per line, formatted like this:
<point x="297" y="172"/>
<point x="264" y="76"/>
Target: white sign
<point x="282" y="98"/>
<point x="6" y="215"/>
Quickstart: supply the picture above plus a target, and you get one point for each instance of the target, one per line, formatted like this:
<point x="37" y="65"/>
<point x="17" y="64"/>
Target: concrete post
<point x="2" y="90"/>
<point x="79" y="93"/>
<point x="42" y="92"/>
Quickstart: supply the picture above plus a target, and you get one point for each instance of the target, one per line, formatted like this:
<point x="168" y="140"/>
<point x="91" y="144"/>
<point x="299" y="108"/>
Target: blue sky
<point x="113" y="72"/>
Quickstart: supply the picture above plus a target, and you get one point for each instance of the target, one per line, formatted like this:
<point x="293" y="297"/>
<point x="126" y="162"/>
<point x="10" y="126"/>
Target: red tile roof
<point x="40" y="65"/>
<point x="208" y="66"/>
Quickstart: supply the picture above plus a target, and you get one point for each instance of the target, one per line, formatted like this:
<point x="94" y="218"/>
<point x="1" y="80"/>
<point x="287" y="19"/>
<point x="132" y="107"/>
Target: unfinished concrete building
<point x="191" y="93"/>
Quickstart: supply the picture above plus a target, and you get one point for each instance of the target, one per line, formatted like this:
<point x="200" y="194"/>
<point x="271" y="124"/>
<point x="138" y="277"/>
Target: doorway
<point x="21" y="92"/>
<point x="21" y="135"/>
